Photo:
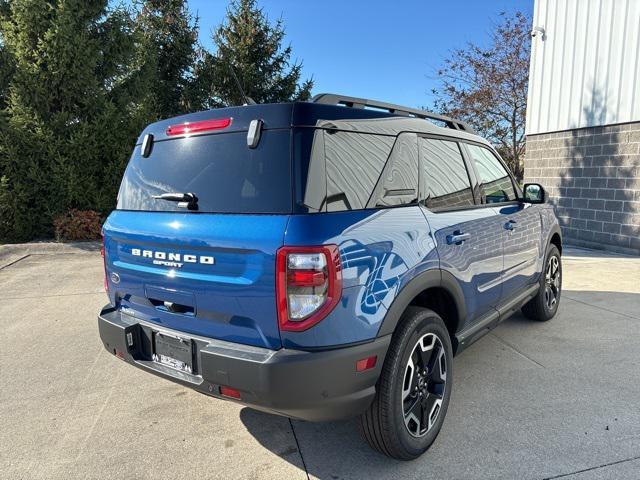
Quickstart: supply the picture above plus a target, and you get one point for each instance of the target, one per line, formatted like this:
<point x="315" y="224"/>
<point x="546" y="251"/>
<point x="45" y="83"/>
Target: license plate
<point x="175" y="352"/>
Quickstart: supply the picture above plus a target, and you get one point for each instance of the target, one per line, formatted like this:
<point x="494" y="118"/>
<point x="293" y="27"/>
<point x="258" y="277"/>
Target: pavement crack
<point x="14" y="262"/>
<point x="295" y="437"/>
<point x="602" y="308"/>
<point x="564" y="475"/>
<point x="515" y="350"/>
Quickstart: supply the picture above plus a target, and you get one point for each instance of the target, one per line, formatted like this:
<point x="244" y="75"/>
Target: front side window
<point x="495" y="182"/>
<point x="445" y="182"/>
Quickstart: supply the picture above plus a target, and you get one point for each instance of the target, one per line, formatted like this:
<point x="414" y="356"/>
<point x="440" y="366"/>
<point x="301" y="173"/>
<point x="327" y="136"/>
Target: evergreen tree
<point x="250" y="44"/>
<point x="74" y="111"/>
<point x="6" y="61"/>
<point x="170" y="36"/>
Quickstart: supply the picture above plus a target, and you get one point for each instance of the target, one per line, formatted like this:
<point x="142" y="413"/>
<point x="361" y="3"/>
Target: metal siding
<point x="586" y="70"/>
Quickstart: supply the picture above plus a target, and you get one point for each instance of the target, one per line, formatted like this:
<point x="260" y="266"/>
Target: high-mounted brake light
<point x="189" y="128"/>
<point x="309" y="285"/>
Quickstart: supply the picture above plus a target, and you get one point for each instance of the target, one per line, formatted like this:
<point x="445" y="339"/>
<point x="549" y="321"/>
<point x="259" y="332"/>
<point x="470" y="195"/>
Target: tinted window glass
<point x="225" y="175"/>
<point x="398" y="184"/>
<point x="495" y="181"/>
<point x="309" y="165"/>
<point x="353" y="162"/>
<point x="445" y="179"/>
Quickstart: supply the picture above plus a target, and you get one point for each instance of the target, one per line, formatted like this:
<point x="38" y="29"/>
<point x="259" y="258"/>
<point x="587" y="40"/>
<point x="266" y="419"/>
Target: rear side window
<point x="354" y="163"/>
<point x="341" y="171"/>
<point x="446" y="181"/>
<point x="224" y="174"/>
<point x="495" y="181"/>
<point x="398" y="183"/>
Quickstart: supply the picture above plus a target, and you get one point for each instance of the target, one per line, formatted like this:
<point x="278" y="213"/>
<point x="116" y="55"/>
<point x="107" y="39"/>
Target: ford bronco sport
<point x="322" y="259"/>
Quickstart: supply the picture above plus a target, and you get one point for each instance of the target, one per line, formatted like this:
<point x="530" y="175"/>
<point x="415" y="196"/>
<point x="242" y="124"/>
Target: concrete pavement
<point x="553" y="400"/>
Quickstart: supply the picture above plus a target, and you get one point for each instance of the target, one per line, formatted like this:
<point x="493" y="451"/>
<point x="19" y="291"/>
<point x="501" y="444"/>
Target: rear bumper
<point x="315" y="386"/>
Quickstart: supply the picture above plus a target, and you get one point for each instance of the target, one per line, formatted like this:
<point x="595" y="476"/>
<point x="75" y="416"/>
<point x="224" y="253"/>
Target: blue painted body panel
<point x="380" y="250"/>
<point x="233" y="300"/>
<point x="476" y="264"/>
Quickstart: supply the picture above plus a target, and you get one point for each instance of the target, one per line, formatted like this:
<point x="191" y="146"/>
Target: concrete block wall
<point x="592" y="176"/>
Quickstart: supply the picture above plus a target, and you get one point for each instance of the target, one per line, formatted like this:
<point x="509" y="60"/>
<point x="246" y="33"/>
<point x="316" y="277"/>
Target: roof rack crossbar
<point x="354" y="102"/>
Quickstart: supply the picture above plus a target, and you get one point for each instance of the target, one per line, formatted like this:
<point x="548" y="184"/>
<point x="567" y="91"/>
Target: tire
<point x="544" y="306"/>
<point x="399" y="387"/>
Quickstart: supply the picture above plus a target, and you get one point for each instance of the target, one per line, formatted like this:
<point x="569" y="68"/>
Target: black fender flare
<point x="428" y="279"/>
<point x="554" y="229"/>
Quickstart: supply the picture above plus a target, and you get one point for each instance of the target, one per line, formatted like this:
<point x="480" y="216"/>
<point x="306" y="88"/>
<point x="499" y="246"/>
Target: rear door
<point x="521" y="224"/>
<point x="210" y="270"/>
<point x="468" y="236"/>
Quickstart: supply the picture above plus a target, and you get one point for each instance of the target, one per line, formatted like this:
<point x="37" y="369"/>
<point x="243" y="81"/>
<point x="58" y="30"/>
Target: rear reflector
<point x="366" y="363"/>
<point x="198" y="127"/>
<point x="230" y="392"/>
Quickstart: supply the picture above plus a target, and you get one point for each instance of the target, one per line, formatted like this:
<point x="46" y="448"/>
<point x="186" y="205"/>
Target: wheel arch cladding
<point x="434" y="289"/>
<point x="556" y="239"/>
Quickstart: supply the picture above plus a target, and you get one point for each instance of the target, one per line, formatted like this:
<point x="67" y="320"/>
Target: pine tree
<point x="250" y="44"/>
<point x="170" y="36"/>
<point x="74" y="110"/>
<point x="6" y="61"/>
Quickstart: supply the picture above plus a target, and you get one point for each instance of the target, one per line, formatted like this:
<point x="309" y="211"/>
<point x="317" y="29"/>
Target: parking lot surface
<point x="530" y="400"/>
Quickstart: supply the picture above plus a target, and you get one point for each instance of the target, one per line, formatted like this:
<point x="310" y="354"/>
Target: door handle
<point x="457" y="237"/>
<point x="510" y="225"/>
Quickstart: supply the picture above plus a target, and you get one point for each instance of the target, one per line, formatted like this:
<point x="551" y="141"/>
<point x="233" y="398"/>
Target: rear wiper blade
<point x="188" y="200"/>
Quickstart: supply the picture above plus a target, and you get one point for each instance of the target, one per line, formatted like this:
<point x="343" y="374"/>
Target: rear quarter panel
<point x="380" y="250"/>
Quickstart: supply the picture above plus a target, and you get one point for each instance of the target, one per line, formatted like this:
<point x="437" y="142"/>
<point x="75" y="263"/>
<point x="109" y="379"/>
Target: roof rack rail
<point x="354" y="102"/>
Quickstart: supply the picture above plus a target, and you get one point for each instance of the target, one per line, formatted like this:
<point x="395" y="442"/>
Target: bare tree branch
<point x="487" y="88"/>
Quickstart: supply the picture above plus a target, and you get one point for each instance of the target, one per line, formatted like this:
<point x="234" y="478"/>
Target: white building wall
<point x="585" y="69"/>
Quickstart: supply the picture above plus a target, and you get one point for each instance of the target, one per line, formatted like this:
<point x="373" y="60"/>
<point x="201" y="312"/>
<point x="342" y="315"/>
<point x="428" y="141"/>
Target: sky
<point x="382" y="50"/>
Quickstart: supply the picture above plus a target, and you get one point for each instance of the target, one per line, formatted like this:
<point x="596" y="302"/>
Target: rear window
<point x="224" y="174"/>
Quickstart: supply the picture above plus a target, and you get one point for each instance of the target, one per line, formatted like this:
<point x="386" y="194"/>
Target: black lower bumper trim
<point x="315" y="386"/>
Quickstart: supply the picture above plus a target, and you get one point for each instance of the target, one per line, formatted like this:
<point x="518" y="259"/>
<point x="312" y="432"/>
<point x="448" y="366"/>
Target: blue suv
<point x="322" y="259"/>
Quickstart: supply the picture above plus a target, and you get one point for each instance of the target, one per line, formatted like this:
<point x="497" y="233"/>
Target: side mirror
<point x="534" y="193"/>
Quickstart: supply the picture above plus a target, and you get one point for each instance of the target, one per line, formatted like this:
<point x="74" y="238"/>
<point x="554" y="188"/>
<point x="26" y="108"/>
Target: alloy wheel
<point x="424" y="385"/>
<point x="552" y="283"/>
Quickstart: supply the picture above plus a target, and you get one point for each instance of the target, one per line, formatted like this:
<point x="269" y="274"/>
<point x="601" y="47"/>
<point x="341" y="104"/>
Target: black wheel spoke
<point x="429" y="402"/>
<point x="427" y="358"/>
<point x="436" y="373"/>
<point x="413" y="417"/>
<point x="436" y="389"/>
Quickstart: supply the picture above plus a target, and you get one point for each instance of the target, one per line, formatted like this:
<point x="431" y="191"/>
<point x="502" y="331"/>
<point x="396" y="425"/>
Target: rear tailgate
<point x="216" y="272"/>
<point x="207" y="266"/>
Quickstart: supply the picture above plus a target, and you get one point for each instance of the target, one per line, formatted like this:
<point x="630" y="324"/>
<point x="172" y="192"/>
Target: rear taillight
<point x="104" y="265"/>
<point x="309" y="285"/>
<point x="190" y="128"/>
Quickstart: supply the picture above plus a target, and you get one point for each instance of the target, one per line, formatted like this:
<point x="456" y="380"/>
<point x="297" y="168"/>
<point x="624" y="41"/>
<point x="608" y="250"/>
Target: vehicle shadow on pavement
<point x="339" y="445"/>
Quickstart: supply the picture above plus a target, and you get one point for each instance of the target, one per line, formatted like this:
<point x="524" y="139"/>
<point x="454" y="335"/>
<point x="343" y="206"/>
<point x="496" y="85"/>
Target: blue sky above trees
<point x="376" y="49"/>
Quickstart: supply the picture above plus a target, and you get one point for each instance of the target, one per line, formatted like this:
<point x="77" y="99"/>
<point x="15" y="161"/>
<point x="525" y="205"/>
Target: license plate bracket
<point x="174" y="352"/>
